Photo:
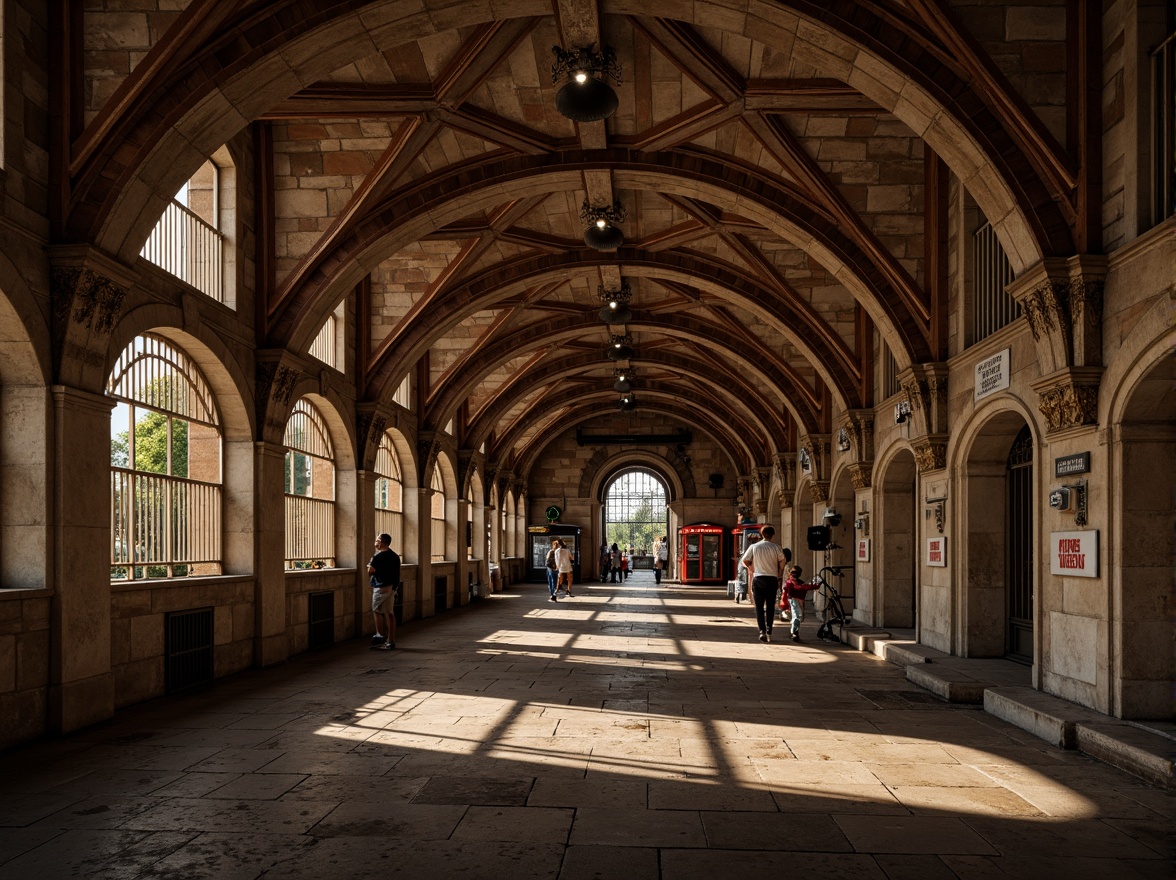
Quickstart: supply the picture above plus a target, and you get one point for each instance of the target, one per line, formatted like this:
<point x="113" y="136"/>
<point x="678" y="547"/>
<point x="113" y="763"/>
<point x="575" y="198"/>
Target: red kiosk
<point x="700" y="557"/>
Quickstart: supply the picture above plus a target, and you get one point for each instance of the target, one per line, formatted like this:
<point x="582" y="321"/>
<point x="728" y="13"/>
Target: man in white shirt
<point x="563" y="562"/>
<point x="764" y="561"/>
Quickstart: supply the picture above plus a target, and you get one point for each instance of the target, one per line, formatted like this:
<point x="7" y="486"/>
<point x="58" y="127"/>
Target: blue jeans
<point x="551" y="573"/>
<point x="797" y="606"/>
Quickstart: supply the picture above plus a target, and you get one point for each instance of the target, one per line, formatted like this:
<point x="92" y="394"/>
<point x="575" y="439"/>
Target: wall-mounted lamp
<point x="902" y="412"/>
<point x="862" y="524"/>
<point x="938" y="508"/>
<point x="1071" y="496"/>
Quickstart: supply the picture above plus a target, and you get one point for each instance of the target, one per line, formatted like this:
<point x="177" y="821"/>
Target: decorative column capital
<point x="931" y="453"/>
<point x="1069" y="399"/>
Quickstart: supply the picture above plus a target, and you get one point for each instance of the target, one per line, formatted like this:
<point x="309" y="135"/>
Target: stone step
<point x="864" y="638"/>
<point x="946" y="682"/>
<point x="1067" y="725"/>
<point x="907" y="653"/>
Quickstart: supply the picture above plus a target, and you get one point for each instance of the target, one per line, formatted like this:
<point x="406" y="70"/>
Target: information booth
<point x="701" y="553"/>
<point x="539" y="542"/>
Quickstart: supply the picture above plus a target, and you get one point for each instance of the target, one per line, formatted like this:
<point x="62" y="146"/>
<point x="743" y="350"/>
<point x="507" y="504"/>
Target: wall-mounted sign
<point x="863" y="550"/>
<point x="937" y="552"/>
<point x="992" y="374"/>
<point x="1074" y="554"/>
<point x="1067" y="465"/>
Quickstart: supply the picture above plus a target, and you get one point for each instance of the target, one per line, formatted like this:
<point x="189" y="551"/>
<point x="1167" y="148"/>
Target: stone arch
<point x="25" y="420"/>
<point x="974" y="615"/>
<point x="448" y="470"/>
<point x="603" y="467"/>
<point x="343" y="451"/>
<point x="894" y="531"/>
<point x="1138" y="562"/>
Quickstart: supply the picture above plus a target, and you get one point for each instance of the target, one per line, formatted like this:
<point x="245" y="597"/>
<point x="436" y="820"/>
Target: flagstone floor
<point x="630" y="732"/>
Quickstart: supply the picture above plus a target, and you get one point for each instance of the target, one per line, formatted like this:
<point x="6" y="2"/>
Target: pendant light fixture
<point x="624" y="377"/>
<point x="585" y="96"/>
<point x="620" y="348"/>
<point x="602" y="232"/>
<point x="614" y="304"/>
<point x="628" y="403"/>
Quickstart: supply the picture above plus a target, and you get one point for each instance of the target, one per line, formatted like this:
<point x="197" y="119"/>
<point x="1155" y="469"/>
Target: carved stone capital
<point x="819" y="491"/>
<point x="818" y="449"/>
<point x="861" y="473"/>
<point x="925" y="387"/>
<point x="1062" y="303"/>
<point x="276" y="378"/>
<point x="1069" y="399"/>
<point x="930" y="453"/>
<point x="784" y="466"/>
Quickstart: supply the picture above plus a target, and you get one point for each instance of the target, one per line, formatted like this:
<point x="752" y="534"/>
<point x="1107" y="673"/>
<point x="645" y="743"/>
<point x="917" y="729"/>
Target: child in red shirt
<point x="794" y="592"/>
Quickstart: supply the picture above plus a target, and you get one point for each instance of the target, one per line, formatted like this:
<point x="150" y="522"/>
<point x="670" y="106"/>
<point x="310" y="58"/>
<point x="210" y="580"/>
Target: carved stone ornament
<point x="1045" y="307"/>
<point x="274" y="387"/>
<point x="861" y="473"/>
<point x="785" y="467"/>
<point x="930" y="454"/>
<point x="83" y="300"/>
<point x="1068" y="406"/>
<point x="784" y="499"/>
<point x="819" y="491"/>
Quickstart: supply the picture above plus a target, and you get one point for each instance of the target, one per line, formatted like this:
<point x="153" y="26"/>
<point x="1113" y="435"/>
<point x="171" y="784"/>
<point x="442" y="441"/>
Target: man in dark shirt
<point x="384" y="569"/>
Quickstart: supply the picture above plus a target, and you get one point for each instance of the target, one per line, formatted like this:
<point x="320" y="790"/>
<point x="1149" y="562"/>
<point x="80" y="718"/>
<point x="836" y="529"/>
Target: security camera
<point x="832" y="517"/>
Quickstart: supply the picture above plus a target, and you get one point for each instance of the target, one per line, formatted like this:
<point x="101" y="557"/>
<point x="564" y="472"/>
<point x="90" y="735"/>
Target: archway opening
<point x="635" y="514"/>
<point x="896" y="531"/>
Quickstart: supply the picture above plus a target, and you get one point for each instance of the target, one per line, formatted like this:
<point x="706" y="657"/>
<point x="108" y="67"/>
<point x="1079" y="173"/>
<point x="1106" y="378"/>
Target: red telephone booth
<point x="700" y="559"/>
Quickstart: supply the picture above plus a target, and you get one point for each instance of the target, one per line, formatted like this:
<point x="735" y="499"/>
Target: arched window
<point x="310" y="490"/>
<point x="635" y="510"/>
<point x="437" y="516"/>
<point x="389" y="494"/>
<point x="165" y="463"/>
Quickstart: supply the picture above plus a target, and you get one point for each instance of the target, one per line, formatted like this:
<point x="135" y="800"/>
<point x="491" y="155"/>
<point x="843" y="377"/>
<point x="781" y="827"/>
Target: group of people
<point x="615" y="562"/>
<point x="765" y="562"/>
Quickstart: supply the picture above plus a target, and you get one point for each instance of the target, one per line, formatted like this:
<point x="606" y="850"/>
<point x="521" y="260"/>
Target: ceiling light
<point x="614" y="307"/>
<point x="602" y="232"/>
<point x="585" y="97"/>
<point x="628" y="403"/>
<point x="620" y="348"/>
<point x="624" y="383"/>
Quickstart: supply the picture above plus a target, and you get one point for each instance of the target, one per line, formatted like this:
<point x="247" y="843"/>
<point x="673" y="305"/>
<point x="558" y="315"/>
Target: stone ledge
<point x="947" y="683"/>
<point x="1149" y="755"/>
<point x="1050" y="718"/>
<point x="908" y="653"/>
<point x="864" y="638"/>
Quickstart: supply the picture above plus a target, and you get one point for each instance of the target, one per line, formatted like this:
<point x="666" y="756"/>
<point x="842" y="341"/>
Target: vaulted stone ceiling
<point x="779" y="164"/>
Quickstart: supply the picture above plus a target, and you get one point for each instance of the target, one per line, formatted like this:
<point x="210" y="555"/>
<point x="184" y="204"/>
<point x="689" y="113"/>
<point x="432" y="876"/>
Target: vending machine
<point x="539" y="542"/>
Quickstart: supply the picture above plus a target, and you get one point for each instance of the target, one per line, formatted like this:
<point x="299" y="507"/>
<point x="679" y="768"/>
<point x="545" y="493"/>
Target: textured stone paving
<point x="629" y="732"/>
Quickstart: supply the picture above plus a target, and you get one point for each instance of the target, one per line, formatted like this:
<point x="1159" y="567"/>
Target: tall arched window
<point x="437" y="516"/>
<point x="165" y="464"/>
<point x="310" y="490"/>
<point x="635" y="510"/>
<point x="389" y="494"/>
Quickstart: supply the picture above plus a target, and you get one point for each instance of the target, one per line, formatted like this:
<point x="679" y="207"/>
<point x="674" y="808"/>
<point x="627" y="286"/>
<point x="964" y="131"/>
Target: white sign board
<point x="992" y="374"/>
<point x="937" y="552"/>
<point x="863" y="550"/>
<point x="1074" y="554"/>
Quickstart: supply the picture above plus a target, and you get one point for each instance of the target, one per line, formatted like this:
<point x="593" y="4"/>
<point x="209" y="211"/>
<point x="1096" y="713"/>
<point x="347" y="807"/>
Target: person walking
<point x="605" y="561"/>
<point x="794" y="592"/>
<point x="552" y="569"/>
<point x="661" y="555"/>
<point x="614" y="563"/>
<point x="384" y="576"/>
<point x="764" y="561"/>
<point x="563" y="563"/>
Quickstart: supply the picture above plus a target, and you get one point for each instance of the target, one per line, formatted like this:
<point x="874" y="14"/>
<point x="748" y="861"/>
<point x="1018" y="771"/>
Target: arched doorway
<point x="999" y="585"/>
<point x="895" y="531"/>
<point x="1144" y="655"/>
<point x="634" y="513"/>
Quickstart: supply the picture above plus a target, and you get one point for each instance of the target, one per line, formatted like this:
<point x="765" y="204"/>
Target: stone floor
<point x="629" y="732"/>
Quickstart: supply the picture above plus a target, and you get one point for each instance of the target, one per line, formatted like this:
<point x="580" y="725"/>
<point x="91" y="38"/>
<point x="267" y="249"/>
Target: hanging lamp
<point x="585" y="96"/>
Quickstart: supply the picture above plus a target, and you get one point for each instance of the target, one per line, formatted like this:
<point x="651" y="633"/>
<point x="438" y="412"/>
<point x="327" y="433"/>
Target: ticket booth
<point x="701" y="552"/>
<point x="539" y="542"/>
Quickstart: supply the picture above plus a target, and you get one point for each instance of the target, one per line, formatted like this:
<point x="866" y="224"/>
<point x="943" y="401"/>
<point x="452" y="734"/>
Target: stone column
<point x="81" y="685"/>
<point x="426" y="602"/>
<point x="463" y="567"/>
<point x="365" y="542"/>
<point x="269" y="597"/>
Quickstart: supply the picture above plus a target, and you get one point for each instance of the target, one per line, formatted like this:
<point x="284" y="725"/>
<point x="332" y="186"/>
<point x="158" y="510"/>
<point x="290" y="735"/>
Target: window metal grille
<point x="1020" y="548"/>
<point x="183" y="244"/>
<point x="389" y="493"/>
<point x="1163" y="98"/>
<point x="890" y="385"/>
<point x="992" y="307"/>
<point x="165" y="494"/>
<point x="635" y="510"/>
<point x="323" y="347"/>
<point x="310" y="489"/>
<point x="188" y="649"/>
<point x="437" y="516"/>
